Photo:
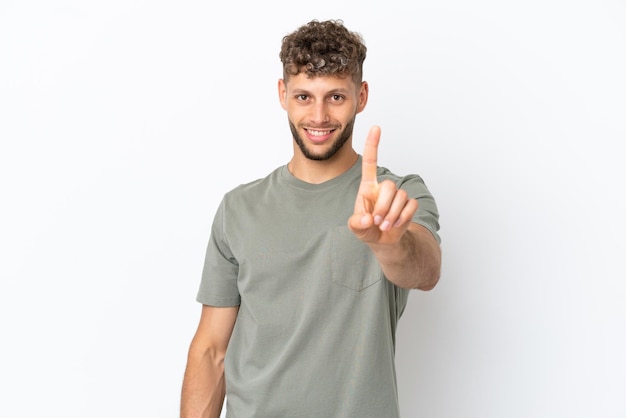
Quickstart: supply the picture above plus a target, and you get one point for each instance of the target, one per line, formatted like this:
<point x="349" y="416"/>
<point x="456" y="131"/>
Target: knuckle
<point x="389" y="184"/>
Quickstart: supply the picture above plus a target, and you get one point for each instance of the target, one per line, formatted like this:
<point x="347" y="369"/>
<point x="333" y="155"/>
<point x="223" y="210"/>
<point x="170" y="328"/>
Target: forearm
<point x="414" y="262"/>
<point x="203" y="385"/>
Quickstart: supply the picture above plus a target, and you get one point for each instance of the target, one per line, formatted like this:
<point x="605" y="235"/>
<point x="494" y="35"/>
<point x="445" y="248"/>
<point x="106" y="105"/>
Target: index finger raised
<point x="370" y="155"/>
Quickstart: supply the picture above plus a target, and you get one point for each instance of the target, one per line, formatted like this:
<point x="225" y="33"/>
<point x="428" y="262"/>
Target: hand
<point x="382" y="212"/>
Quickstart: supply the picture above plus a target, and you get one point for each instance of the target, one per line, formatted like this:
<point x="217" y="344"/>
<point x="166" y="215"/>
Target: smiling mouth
<point x="319" y="133"/>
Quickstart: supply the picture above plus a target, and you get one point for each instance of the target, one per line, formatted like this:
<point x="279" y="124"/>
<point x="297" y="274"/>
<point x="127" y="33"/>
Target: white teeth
<point x="318" y="133"/>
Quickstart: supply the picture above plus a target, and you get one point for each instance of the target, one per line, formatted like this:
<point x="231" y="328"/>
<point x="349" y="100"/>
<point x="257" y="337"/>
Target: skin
<point x="321" y="113"/>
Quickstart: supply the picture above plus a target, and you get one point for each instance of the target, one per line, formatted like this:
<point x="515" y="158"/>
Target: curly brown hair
<point x="322" y="49"/>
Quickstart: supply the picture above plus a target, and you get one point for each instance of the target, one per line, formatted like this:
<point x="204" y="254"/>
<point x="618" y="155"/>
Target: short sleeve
<point x="427" y="213"/>
<point x="218" y="284"/>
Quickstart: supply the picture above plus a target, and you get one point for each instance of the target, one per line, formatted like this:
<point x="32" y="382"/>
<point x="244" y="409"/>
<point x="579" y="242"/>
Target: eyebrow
<point x="333" y="91"/>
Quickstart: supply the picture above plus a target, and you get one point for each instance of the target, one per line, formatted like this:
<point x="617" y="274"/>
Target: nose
<point x="319" y="113"/>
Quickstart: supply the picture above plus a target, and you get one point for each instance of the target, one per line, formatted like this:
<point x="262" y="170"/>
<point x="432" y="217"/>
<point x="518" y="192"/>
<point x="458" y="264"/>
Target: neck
<point x="317" y="172"/>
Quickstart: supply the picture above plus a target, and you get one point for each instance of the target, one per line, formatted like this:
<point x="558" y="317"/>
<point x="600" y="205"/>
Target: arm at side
<point x="204" y="387"/>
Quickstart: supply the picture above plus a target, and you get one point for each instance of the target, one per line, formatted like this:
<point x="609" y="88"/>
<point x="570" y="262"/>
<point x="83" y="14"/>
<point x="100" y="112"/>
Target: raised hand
<point x="382" y="212"/>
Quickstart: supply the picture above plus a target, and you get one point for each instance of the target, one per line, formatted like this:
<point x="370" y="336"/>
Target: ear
<point x="282" y="93"/>
<point x="363" y="95"/>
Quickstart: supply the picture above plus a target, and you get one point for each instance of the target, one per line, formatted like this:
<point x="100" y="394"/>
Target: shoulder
<point x="403" y="181"/>
<point x="252" y="189"/>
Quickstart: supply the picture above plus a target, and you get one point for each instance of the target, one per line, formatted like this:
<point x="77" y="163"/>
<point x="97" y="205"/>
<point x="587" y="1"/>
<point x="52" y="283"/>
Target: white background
<point x="123" y="122"/>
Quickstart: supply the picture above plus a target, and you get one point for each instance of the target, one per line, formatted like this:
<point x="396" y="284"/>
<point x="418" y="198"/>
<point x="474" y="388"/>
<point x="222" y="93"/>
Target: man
<point x="308" y="270"/>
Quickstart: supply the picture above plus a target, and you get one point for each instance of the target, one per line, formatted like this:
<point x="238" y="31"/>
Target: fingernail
<point x="385" y="226"/>
<point x="364" y="220"/>
<point x="378" y="219"/>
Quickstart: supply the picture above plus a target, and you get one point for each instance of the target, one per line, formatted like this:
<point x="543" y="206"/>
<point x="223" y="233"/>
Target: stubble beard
<point x="336" y="146"/>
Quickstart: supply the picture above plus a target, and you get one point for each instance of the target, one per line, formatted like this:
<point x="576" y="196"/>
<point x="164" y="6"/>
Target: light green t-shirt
<point x="315" y="332"/>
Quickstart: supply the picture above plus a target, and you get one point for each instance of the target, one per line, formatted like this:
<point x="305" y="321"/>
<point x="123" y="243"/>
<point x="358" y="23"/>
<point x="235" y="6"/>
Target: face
<point x="321" y="112"/>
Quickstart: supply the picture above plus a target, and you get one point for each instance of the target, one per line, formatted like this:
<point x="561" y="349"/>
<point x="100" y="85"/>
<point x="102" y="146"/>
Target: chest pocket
<point x="352" y="262"/>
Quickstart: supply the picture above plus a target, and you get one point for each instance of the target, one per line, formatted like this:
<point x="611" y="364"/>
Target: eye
<point x="302" y="97"/>
<point x="337" y="98"/>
